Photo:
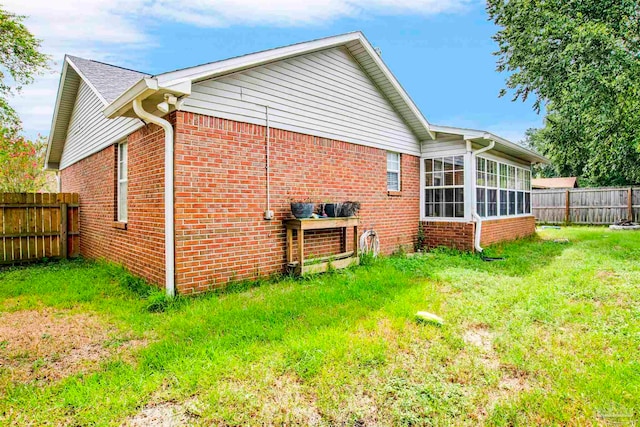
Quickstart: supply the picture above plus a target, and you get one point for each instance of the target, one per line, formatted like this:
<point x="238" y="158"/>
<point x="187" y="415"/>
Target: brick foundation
<point x="498" y="230"/>
<point x="457" y="235"/>
<point x="460" y="235"/>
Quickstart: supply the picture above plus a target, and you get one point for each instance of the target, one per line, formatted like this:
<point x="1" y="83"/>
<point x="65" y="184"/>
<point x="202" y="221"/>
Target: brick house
<point x="178" y="173"/>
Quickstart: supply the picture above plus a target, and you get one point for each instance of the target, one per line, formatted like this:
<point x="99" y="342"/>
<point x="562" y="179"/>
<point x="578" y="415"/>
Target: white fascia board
<point x="144" y="88"/>
<point x="63" y="76"/>
<point x="207" y="71"/>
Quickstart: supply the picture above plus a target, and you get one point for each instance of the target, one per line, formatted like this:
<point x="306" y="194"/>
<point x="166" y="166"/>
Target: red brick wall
<point x="141" y="246"/>
<point x="458" y="235"/>
<point x="498" y="230"/>
<point x="220" y="197"/>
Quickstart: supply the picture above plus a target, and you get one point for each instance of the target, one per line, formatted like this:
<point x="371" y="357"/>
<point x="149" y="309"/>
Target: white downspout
<point x="474" y="213"/>
<point x="169" y="234"/>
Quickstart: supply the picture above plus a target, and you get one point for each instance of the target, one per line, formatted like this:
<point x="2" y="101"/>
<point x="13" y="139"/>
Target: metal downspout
<point x="169" y="233"/>
<point x="474" y="212"/>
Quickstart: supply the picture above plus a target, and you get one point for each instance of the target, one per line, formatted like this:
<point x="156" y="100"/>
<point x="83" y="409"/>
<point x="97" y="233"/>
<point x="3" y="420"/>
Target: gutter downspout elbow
<point x="169" y="233"/>
<point x="477" y="218"/>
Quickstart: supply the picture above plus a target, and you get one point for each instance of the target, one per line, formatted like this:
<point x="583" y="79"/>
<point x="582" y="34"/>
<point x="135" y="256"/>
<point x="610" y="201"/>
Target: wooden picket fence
<point x="38" y="225"/>
<point x="586" y="205"/>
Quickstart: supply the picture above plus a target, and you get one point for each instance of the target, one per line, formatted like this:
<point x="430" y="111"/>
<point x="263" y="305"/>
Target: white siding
<point x="323" y="93"/>
<point x="89" y="130"/>
<point x="443" y="146"/>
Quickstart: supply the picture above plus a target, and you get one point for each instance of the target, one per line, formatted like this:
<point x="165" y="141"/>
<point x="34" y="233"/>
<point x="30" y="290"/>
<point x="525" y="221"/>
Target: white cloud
<point x="116" y="30"/>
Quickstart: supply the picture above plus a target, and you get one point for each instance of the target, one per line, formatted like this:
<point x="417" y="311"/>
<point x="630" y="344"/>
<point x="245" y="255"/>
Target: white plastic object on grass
<point x="369" y="243"/>
<point x="430" y="317"/>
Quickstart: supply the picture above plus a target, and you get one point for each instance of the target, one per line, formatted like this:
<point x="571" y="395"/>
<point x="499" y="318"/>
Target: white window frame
<point x="394" y="171"/>
<point x="470" y="185"/>
<point x="123" y="182"/>
<point x="463" y="186"/>
<point x="519" y="183"/>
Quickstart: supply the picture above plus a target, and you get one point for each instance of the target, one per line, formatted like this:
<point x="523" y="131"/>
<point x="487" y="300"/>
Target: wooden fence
<point x="38" y="225"/>
<point x="586" y="205"/>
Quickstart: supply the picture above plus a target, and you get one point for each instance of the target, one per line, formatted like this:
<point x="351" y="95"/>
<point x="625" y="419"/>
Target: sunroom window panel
<point x="480" y="201"/>
<point x="504" y="202"/>
<point x="492" y="202"/>
<point x="444" y="187"/>
<point x="512" y="202"/>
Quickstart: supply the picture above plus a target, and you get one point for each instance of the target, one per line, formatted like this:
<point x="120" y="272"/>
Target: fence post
<point x="567" y="209"/>
<point x="630" y="204"/>
<point x="63" y="231"/>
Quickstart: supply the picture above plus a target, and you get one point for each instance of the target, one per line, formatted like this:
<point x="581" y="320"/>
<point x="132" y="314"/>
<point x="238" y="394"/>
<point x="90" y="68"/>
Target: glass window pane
<point x="459" y="163"/>
<point x="527" y="203"/>
<point x="437" y="164"/>
<point x="428" y="179"/>
<point x="459" y="210"/>
<point x="448" y="210"/>
<point x="459" y="195"/>
<point x="393" y="181"/>
<point x="448" y="178"/>
<point x="448" y="195"/>
<point x="512" y="202"/>
<point x="438" y="179"/>
<point x="520" y="202"/>
<point x="504" y="202"/>
<point x="459" y="178"/>
<point x="503" y="176"/>
<point x="448" y="163"/>
<point x="428" y="165"/>
<point x="393" y="161"/>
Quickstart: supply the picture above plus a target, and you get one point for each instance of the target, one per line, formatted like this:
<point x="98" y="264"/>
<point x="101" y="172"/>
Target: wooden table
<point x="319" y="265"/>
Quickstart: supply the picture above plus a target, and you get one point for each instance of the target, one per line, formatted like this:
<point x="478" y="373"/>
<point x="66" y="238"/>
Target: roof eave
<point x="474" y="135"/>
<point x="63" y="76"/>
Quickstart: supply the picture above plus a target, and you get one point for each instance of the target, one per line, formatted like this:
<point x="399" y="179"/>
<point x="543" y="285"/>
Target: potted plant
<point x="349" y="209"/>
<point x="301" y="207"/>
<point x="332" y="210"/>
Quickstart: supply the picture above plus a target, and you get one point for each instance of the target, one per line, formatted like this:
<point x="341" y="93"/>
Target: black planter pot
<point x="332" y="209"/>
<point x="302" y="210"/>
<point x="349" y="209"/>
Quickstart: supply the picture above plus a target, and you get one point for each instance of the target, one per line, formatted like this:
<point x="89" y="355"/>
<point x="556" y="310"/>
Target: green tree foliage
<point x="21" y="163"/>
<point x="580" y="61"/>
<point x="20" y="62"/>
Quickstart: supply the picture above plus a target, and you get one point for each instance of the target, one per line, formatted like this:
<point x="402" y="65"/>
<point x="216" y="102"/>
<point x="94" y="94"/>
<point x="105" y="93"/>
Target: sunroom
<point x="475" y="189"/>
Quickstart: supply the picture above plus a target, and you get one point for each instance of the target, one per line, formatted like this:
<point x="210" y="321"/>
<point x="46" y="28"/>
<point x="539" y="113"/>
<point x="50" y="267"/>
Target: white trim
<point x="445" y="219"/>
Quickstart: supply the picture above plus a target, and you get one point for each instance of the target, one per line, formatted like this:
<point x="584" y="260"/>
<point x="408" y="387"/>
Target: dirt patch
<point x="289" y="404"/>
<point x="165" y="414"/>
<point x="48" y="345"/>
<point x="481" y="337"/>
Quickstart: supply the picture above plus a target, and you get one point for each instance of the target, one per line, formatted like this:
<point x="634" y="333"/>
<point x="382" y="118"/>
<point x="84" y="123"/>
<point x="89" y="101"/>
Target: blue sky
<point x="440" y="50"/>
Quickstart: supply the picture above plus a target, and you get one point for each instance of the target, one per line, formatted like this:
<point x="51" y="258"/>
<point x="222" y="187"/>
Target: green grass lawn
<point x="550" y="335"/>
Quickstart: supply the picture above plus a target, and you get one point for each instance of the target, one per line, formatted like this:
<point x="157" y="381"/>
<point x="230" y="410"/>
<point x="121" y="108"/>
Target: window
<point x="486" y="187"/>
<point x="444" y="187"/>
<point x="393" y="171"/>
<point x="508" y="189"/>
<point x="122" y="182"/>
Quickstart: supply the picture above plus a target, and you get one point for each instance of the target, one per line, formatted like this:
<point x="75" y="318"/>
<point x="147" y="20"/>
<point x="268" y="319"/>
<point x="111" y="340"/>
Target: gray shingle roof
<point x="109" y="80"/>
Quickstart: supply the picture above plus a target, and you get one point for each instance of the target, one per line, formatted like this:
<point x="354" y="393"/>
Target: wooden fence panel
<point x="586" y="205"/>
<point x="38" y="225"/>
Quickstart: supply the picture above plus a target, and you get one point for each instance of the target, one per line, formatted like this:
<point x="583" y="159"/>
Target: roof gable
<point x="108" y="81"/>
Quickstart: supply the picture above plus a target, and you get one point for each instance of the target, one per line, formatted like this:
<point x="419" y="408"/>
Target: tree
<point x="20" y="62"/>
<point x="580" y="60"/>
<point x="21" y="163"/>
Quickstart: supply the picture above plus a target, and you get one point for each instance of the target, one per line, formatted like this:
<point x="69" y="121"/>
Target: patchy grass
<point x="549" y="336"/>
